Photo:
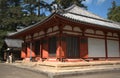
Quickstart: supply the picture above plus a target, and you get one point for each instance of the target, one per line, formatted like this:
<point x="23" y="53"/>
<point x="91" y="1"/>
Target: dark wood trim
<point x="112" y="39"/>
<point x="41" y="47"/>
<point x="38" y="37"/>
<point x="119" y="44"/>
<point x="83" y="33"/>
<point x="106" y="50"/>
<point x="94" y="37"/>
<point x="94" y="34"/>
<point x="72" y="31"/>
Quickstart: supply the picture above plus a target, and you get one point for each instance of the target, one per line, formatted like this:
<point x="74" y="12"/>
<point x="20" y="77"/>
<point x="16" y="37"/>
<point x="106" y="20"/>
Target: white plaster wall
<point x="113" y="48"/>
<point x="55" y="28"/>
<point x="77" y="29"/>
<point x="67" y="27"/>
<point x="29" y="36"/>
<point x="96" y="47"/>
<point x="115" y="34"/>
<point x="41" y="33"/>
<point x="109" y="34"/>
<point x="89" y="31"/>
<point x="99" y="32"/>
<point x="35" y="34"/>
<point x="26" y="37"/>
<point x="49" y="30"/>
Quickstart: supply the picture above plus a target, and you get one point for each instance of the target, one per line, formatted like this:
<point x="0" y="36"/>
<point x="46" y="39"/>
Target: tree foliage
<point x="68" y="3"/>
<point x="14" y="13"/>
<point x="17" y="13"/>
<point x="114" y="12"/>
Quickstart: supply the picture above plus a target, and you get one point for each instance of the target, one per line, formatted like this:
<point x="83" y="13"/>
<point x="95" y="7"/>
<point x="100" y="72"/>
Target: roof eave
<point x="31" y="26"/>
<point x="112" y="28"/>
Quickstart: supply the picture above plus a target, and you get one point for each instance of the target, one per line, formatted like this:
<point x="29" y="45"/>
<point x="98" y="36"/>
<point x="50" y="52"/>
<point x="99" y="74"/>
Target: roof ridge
<point x="106" y="20"/>
<point x="74" y="5"/>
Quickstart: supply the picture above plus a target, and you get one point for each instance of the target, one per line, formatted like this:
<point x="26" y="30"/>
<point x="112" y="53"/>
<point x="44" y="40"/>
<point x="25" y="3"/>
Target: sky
<point x="98" y="7"/>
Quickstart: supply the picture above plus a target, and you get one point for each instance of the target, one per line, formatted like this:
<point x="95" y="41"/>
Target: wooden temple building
<point x="71" y="34"/>
<point x="12" y="46"/>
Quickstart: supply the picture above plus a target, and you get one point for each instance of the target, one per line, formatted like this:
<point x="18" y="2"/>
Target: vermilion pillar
<point x="40" y="52"/>
<point x="83" y="47"/>
<point x="30" y="52"/>
<point x="23" y="51"/>
<point x="61" y="47"/>
<point x="45" y="48"/>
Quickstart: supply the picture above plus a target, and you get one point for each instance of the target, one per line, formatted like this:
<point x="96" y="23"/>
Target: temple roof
<point x="80" y="14"/>
<point x="76" y="13"/>
<point x="81" y="11"/>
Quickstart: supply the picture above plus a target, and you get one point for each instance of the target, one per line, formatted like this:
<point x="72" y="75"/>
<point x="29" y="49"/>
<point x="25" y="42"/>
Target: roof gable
<point x="79" y="14"/>
<point x="81" y="11"/>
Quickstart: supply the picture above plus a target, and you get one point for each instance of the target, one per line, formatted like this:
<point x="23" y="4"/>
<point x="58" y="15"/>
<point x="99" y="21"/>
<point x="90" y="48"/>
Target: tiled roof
<point x="75" y="13"/>
<point x="14" y="43"/>
<point x="79" y="14"/>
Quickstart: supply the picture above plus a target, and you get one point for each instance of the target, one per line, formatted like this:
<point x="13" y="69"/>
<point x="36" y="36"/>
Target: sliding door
<point x="72" y="47"/>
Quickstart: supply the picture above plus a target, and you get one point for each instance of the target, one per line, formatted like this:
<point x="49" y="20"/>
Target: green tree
<point x="3" y="11"/>
<point x="68" y="3"/>
<point x="114" y="12"/>
<point x="16" y="13"/>
<point x="29" y="6"/>
<point x="41" y="4"/>
<point x="32" y="12"/>
<point x="11" y="13"/>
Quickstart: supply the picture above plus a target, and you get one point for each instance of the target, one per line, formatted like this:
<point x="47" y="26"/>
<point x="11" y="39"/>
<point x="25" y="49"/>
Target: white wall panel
<point x="67" y="32"/>
<point x="109" y="34"/>
<point x="55" y="28"/>
<point x="49" y="30"/>
<point x="113" y="48"/>
<point x="67" y="27"/>
<point x="77" y="29"/>
<point x="89" y="31"/>
<point x="115" y="34"/>
<point x="96" y="47"/>
<point x="41" y="33"/>
<point x="99" y="32"/>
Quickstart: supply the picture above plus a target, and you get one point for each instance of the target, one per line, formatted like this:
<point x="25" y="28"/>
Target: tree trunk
<point x="38" y="7"/>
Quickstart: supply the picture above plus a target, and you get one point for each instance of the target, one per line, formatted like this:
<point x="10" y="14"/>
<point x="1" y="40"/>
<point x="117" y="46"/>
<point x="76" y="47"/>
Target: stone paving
<point x="69" y="68"/>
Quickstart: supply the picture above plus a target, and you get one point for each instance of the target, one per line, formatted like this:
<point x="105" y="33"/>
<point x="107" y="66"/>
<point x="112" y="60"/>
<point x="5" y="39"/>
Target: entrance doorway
<point x="52" y="46"/>
<point x="72" y="47"/>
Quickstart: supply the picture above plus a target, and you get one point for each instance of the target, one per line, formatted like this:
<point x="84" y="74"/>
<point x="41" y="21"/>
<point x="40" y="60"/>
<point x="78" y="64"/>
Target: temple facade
<point x="72" y="34"/>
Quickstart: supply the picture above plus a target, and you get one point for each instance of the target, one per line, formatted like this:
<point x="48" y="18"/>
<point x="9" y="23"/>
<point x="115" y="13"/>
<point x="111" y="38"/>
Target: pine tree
<point x="41" y="4"/>
<point x="114" y="12"/>
<point x="68" y="3"/>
